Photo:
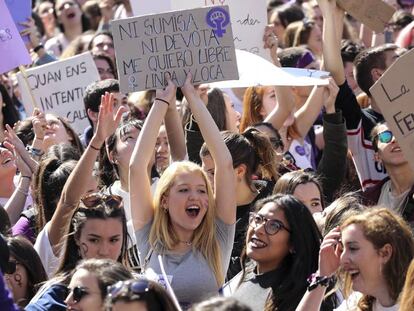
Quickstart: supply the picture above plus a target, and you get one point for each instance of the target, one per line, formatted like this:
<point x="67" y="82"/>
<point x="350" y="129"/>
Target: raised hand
<point x="330" y="253"/>
<point x="271" y="42"/>
<point x="16" y="146"/>
<point x="167" y="94"/>
<point x="39" y="124"/>
<point x="31" y="31"/>
<point x="188" y="87"/>
<point x="330" y="92"/>
<point x="107" y="121"/>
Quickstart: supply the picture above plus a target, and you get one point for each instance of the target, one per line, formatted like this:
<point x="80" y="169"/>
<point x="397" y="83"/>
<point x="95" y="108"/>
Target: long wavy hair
<point x="380" y="226"/>
<point x="204" y="239"/>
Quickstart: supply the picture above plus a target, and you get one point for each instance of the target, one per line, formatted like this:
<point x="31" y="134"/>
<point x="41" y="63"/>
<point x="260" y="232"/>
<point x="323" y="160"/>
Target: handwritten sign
<point x="13" y="52"/>
<point x="394" y="94"/>
<point x="149" y="47"/>
<point x="21" y="11"/>
<point x="58" y="88"/>
<point x="373" y="13"/>
<point x="256" y="71"/>
<point x="248" y="18"/>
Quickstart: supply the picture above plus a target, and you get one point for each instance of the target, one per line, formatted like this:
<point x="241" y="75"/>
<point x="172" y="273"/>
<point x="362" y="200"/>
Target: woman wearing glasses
<point x="140" y="294"/>
<point x="281" y="252"/>
<point x="395" y="192"/>
<point x="89" y="283"/>
<point x="191" y="227"/>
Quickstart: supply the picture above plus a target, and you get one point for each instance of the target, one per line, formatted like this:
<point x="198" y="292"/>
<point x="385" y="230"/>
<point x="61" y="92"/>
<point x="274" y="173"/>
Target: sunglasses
<point x="78" y="293"/>
<point x="385" y="137"/>
<point x="137" y="288"/>
<point x="271" y="226"/>
<point x="96" y="199"/>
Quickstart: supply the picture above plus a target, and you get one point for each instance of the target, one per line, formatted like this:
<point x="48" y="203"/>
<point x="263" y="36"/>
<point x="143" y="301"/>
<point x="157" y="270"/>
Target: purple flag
<point x="20" y="11"/>
<point x="13" y="52"/>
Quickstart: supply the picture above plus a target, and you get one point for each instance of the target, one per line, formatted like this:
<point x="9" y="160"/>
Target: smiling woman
<point x="187" y="224"/>
<point x="374" y="250"/>
<point x="282" y="244"/>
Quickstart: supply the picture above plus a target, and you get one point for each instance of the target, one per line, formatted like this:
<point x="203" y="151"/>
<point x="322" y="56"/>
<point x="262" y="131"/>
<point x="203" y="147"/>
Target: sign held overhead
<point x="150" y="47"/>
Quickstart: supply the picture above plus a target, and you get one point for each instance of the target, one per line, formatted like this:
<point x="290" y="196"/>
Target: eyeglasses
<point x="78" y="293"/>
<point x="137" y="288"/>
<point x="385" y="137"/>
<point x="271" y="226"/>
<point x="95" y="199"/>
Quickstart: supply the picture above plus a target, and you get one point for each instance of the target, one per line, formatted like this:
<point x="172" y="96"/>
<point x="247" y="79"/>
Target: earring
<point x="165" y="210"/>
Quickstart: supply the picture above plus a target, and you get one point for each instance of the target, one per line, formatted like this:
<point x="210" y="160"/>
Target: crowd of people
<point x="198" y="198"/>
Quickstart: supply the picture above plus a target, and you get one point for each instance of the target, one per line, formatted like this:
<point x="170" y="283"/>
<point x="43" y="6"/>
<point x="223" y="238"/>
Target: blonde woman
<point x="188" y="224"/>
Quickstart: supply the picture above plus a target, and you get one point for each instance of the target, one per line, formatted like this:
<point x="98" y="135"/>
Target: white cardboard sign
<point x="248" y="18"/>
<point x="58" y="88"/>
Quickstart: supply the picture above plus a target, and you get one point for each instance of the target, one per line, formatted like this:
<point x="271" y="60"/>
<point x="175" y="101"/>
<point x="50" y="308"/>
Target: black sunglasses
<point x="137" y="288"/>
<point x="78" y="293"/>
<point x="96" y="199"/>
<point x="271" y="226"/>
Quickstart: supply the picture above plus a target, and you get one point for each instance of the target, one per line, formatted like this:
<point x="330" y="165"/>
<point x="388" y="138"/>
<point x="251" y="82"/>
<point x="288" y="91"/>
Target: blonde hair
<point x="380" y="226"/>
<point x="407" y="297"/>
<point x="204" y="239"/>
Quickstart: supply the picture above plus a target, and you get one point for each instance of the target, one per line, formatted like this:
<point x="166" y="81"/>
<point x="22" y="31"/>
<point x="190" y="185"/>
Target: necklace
<point x="188" y="243"/>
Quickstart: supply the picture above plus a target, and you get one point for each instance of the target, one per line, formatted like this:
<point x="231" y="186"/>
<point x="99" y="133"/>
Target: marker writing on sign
<point x="404" y="91"/>
<point x="405" y="123"/>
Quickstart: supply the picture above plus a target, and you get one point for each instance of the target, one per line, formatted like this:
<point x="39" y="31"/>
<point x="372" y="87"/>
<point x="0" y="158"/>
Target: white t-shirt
<point x="351" y="304"/>
<point x="44" y="250"/>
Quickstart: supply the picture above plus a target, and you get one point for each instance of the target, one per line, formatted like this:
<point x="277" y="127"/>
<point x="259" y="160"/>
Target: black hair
<point x="10" y="114"/>
<point x="217" y="107"/>
<point x="5" y="224"/>
<point x="94" y="92"/>
<point x="97" y="34"/>
<point x="253" y="149"/>
<point x="105" y="57"/>
<point x="24" y="253"/>
<point x="301" y="262"/>
<point x="290" y="56"/>
<point x="108" y="171"/>
<point x="349" y="50"/>
<point x="366" y="61"/>
<point x="289" y="13"/>
<point x="71" y="254"/>
<point x="84" y="19"/>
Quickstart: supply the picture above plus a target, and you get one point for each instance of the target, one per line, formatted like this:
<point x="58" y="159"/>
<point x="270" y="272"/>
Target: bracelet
<point x="316" y="280"/>
<point x="34" y="151"/>
<point x="37" y="48"/>
<point x="162" y="100"/>
<point x="94" y="148"/>
<point x="26" y="193"/>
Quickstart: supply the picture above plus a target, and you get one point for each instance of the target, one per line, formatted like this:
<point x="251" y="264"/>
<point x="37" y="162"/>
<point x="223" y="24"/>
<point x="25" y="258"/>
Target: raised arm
<point x="329" y="258"/>
<point x="77" y="182"/>
<point x="284" y="95"/>
<point x="333" y="20"/>
<point x="175" y="133"/>
<point x="139" y="180"/>
<point x="224" y="179"/>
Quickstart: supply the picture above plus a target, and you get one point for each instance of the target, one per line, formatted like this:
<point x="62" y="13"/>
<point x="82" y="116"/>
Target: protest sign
<point x="21" y="11"/>
<point x="248" y="18"/>
<point x="373" y="13"/>
<point x="256" y="71"/>
<point x="199" y="41"/>
<point x="394" y="94"/>
<point x="12" y="49"/>
<point x="58" y="88"/>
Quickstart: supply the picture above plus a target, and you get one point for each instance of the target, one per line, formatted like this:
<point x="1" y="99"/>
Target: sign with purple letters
<point x="199" y="41"/>
<point x="21" y="11"/>
<point x="13" y="52"/>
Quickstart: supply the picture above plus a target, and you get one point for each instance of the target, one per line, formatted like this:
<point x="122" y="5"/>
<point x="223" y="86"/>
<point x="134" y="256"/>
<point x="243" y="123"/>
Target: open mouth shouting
<point x="192" y="211"/>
